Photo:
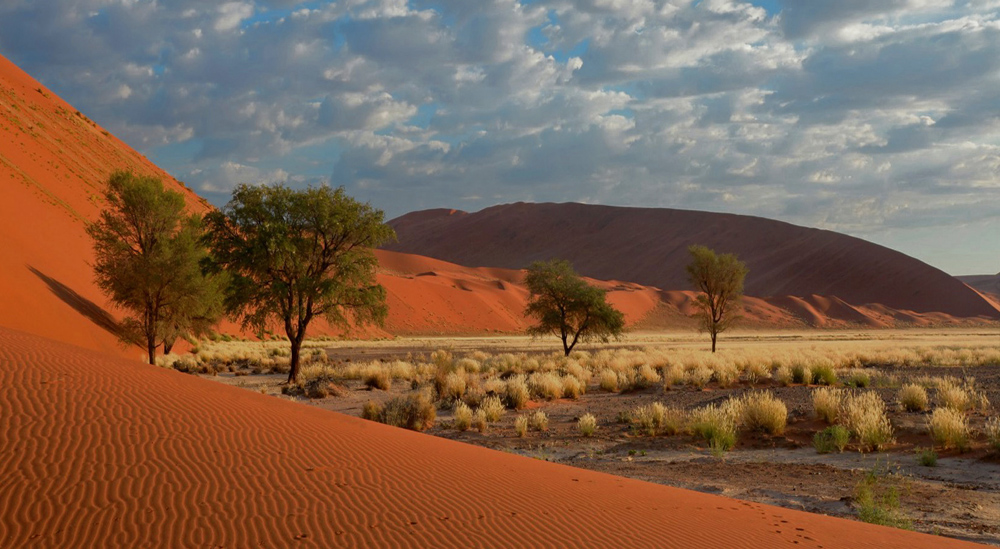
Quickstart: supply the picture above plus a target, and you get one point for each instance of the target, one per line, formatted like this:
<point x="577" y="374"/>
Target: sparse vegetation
<point x="927" y="457"/>
<point x="865" y="415"/>
<point x="463" y="416"/>
<point x="826" y="404"/>
<point x="876" y="499"/>
<point x="587" y="425"/>
<point x="521" y="426"/>
<point x="763" y="412"/>
<point x="834" y="437"/>
<point x="539" y="421"/>
<point x="913" y="398"/>
<point x="949" y="428"/>
<point x="414" y="412"/>
<point x="656" y="419"/>
<point x="992" y="432"/>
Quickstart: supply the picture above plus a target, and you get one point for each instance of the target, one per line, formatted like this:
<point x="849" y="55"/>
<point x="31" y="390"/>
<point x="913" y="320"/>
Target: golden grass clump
<point x="802" y="374"/>
<point x="762" y="411"/>
<point x="608" y="380"/>
<point x="548" y="385"/>
<point x="950" y="394"/>
<point x="371" y="411"/>
<point x="517" y="392"/>
<point x="539" y="421"/>
<point x="726" y="374"/>
<point x="463" y="416"/>
<point x="913" y="398"/>
<point x="715" y="424"/>
<point x="479" y="421"/>
<point x="655" y="419"/>
<point x="700" y="376"/>
<point x="826" y="403"/>
<point x="949" y="428"/>
<point x="493" y="408"/>
<point x="414" y="412"/>
<point x="451" y="386"/>
<point x="572" y="387"/>
<point x="587" y="424"/>
<point x="673" y="375"/>
<point x="521" y="426"/>
<point x="378" y="379"/>
<point x="757" y="372"/>
<point x="468" y="365"/>
<point x="783" y="375"/>
<point x="864" y="414"/>
<point x="648" y="375"/>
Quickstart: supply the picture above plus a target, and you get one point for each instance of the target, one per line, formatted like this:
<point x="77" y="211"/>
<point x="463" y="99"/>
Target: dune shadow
<point x="80" y="304"/>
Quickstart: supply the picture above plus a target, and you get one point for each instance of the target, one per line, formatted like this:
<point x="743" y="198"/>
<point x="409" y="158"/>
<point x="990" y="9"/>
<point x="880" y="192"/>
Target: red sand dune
<point x="649" y="246"/>
<point x="102" y="452"/>
<point x="53" y="165"/>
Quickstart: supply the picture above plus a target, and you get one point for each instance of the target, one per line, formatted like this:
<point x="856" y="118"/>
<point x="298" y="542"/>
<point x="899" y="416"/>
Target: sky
<point x="876" y="118"/>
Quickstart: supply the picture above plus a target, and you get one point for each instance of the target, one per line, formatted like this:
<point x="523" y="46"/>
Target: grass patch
<point x="927" y="457"/>
<point x="587" y="425"/>
<point x="826" y="404"/>
<point x="834" y="437"/>
<point x="876" y="499"/>
<point x="864" y="414"/>
<point x="913" y="398"/>
<point x="949" y="428"/>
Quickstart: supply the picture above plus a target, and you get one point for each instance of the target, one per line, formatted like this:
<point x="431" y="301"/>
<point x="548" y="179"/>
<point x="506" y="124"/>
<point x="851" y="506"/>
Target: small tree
<point x="293" y="255"/>
<point x="719" y="278"/>
<point x="567" y="306"/>
<point x="147" y="261"/>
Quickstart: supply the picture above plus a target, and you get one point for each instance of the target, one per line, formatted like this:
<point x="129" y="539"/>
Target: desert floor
<point x="959" y="497"/>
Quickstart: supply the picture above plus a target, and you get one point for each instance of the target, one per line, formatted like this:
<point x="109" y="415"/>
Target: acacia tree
<point x="147" y="261"/>
<point x="719" y="278"/>
<point x="567" y="306"/>
<point x="293" y="255"/>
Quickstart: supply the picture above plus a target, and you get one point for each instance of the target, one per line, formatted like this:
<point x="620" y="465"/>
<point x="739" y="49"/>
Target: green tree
<point x="293" y="255"/>
<point x="567" y="306"/>
<point x="147" y="261"/>
<point x="719" y="278"/>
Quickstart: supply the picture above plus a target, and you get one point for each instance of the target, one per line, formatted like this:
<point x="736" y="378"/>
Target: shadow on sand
<point x="82" y="305"/>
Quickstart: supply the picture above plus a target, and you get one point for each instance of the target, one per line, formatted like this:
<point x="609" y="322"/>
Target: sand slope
<point x="102" y="452"/>
<point x="648" y="246"/>
<point x="54" y="163"/>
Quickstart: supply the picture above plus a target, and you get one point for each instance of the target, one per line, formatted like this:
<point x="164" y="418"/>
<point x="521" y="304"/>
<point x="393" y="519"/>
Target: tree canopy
<point x="719" y="279"/>
<point x="293" y="255"/>
<point x="148" y="252"/>
<point x="565" y="305"/>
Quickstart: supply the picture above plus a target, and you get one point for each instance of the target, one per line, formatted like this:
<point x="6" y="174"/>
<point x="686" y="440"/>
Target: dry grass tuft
<point x="572" y="387"/>
<point x="521" y="426"/>
<point x="913" y="398"/>
<point x="763" y="412"/>
<point x="656" y="419"/>
<point x="378" y="379"/>
<point x="864" y="414"/>
<point x="784" y="376"/>
<point x="826" y="403"/>
<point x="992" y="431"/>
<point x="949" y="428"/>
<point x="950" y="394"/>
<point x="414" y="412"/>
<point x="587" y="424"/>
<point x="517" y="392"/>
<point x="608" y="380"/>
<point x="463" y="416"/>
<point x="493" y="408"/>
<point x="539" y="421"/>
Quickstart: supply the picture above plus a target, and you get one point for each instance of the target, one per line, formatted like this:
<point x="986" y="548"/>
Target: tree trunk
<point x="714" y="336"/>
<point x="293" y="370"/>
<point x="151" y="349"/>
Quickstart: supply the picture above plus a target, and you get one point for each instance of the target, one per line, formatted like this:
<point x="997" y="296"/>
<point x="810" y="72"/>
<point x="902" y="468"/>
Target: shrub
<point x="864" y="414"/>
<point x="700" y="376"/>
<point x="826" y="403"/>
<point x="992" y="431"/>
<point x="834" y="437"/>
<point x="726" y="375"/>
<point x="913" y="398"/>
<point x="824" y="375"/>
<point x="371" y="411"/>
<point x="859" y="379"/>
<point x="608" y="381"/>
<point x="757" y="372"/>
<point x="783" y="375"/>
<point x="521" y="426"/>
<point x="716" y="425"/>
<point x="517" y="392"/>
<point x="949" y="428"/>
<point x="587" y="424"/>
<point x="492" y="408"/>
<point x="451" y="386"/>
<point x="648" y="375"/>
<point x="548" y="385"/>
<point x="479" y="421"/>
<point x="952" y="395"/>
<point x="877" y="500"/>
<point x="927" y="457"/>
<point x="763" y="412"/>
<point x="463" y="416"/>
<point x="539" y="421"/>
<point x="802" y="374"/>
<point x="673" y="375"/>
<point x="572" y="387"/>
<point x="655" y="419"/>
<point x="378" y="379"/>
<point x="414" y="412"/>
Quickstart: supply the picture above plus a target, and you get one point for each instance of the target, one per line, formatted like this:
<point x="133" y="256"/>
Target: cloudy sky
<point x="878" y="118"/>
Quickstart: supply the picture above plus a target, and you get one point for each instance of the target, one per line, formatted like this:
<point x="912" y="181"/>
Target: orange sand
<point x="102" y="452"/>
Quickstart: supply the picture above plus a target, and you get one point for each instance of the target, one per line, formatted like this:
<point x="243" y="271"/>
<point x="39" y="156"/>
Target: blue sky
<point x="877" y="118"/>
